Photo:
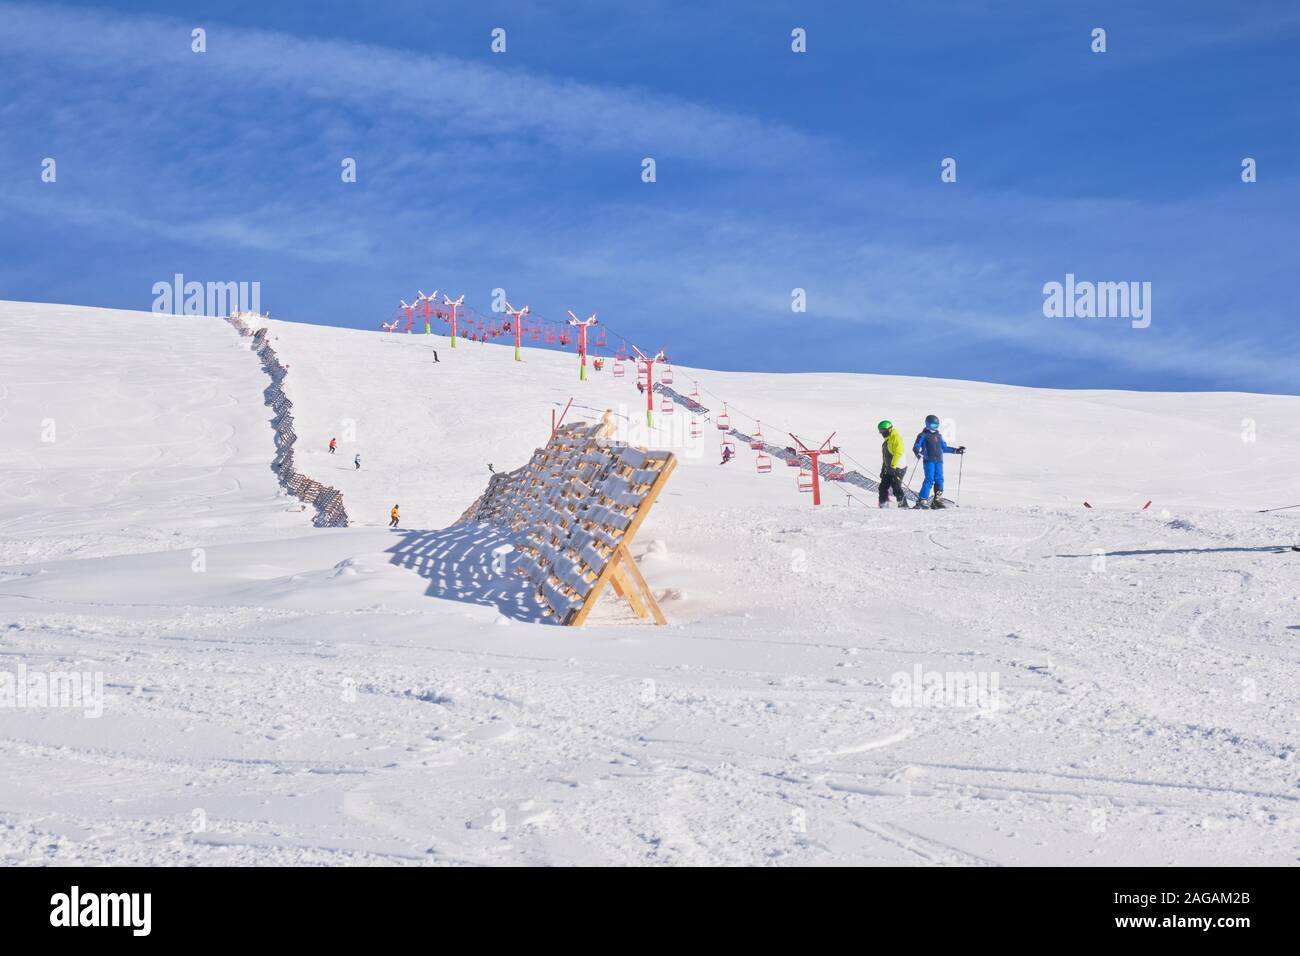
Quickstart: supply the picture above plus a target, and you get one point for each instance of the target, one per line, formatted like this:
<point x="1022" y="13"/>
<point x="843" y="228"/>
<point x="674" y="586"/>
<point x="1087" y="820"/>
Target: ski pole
<point x="960" y="468"/>
<point x="1267" y="510"/>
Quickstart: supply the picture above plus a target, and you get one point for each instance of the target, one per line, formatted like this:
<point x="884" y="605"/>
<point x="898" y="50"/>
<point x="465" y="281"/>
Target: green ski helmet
<point x="885" y="426"/>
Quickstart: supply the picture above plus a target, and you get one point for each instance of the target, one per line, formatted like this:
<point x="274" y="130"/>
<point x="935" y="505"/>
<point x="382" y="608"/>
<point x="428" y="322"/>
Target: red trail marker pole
<point x="556" y="424"/>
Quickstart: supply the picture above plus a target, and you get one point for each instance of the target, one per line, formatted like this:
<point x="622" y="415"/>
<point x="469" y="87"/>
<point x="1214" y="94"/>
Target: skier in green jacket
<point x="891" y="475"/>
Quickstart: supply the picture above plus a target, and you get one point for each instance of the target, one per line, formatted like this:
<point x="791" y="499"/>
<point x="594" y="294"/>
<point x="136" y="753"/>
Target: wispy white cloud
<point x="445" y="96"/>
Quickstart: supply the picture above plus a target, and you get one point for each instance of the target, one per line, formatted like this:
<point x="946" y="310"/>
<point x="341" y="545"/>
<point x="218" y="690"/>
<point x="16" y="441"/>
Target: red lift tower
<point x="582" y="326"/>
<point x="517" y="315"/>
<point x="826" y="448"/>
<point x="426" y="299"/>
<point x="454" y="306"/>
<point x="649" y="364"/>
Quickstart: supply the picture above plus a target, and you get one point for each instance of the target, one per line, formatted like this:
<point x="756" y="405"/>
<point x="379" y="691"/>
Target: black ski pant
<point x="891" y="479"/>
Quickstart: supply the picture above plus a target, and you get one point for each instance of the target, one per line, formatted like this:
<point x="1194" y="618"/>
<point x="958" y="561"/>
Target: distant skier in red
<point x="334" y="444"/>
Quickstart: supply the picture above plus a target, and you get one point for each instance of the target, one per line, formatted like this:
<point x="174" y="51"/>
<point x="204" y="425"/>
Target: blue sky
<point x="775" y="171"/>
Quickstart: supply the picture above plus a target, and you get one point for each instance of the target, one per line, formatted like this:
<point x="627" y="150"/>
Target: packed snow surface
<point x="1121" y="684"/>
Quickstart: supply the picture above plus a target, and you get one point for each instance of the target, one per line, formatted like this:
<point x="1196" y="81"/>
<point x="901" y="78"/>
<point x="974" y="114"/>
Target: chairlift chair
<point x="763" y="463"/>
<point x="834" y="467"/>
<point x="804" y="479"/>
<point x="756" y="441"/>
<point x="723" y="421"/>
<point x="666" y="405"/>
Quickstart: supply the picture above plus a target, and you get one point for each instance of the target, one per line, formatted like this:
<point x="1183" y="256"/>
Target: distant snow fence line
<point x="328" y="501"/>
<point x="572" y="512"/>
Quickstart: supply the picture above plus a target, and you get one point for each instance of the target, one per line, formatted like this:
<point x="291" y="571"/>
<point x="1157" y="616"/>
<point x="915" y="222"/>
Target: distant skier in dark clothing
<point x="891" y="475"/>
<point x="727" y="455"/>
<point x="930" y="447"/>
<point x="435" y="354"/>
<point x="357" y="462"/>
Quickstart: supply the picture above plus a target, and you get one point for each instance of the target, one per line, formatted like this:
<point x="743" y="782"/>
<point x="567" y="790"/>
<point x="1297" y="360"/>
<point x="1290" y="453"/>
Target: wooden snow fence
<point x="328" y="502"/>
<point x="574" y="510"/>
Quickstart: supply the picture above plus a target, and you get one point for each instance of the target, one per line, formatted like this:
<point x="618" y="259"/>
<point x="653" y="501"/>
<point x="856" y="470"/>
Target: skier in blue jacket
<point x="930" y="447"/>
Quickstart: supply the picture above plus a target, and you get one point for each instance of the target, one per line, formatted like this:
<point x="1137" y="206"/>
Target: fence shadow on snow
<point x="472" y="564"/>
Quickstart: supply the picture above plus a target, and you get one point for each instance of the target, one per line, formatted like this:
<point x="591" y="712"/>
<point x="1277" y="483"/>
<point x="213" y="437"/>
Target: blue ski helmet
<point x="931" y="421"/>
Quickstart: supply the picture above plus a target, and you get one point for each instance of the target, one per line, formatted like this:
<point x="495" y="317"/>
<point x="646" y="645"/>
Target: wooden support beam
<point x="628" y="591"/>
<point x="630" y="564"/>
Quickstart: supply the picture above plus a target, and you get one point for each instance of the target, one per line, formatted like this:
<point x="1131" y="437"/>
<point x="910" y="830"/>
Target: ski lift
<point x="601" y="340"/>
<point x="618" y="367"/>
<point x="795" y="461"/>
<point x="550" y="336"/>
<point x="565" y="338"/>
<point x="666" y="405"/>
<point x="763" y="463"/>
<point x="723" y="421"/>
<point x="666" y="376"/>
<point x="694" y="397"/>
<point x="804" y="479"/>
<point x="756" y="440"/>
<point x="727" y="445"/>
<point x="696" y="430"/>
<point x="535" y="333"/>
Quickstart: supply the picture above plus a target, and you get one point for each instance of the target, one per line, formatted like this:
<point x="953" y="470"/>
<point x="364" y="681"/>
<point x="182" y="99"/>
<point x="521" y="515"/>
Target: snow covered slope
<point x="362" y="695"/>
<point x="427" y="431"/>
<point x="127" y="431"/>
